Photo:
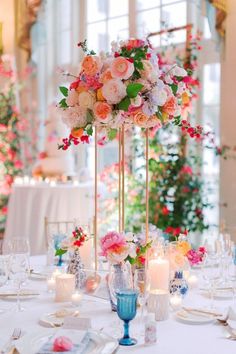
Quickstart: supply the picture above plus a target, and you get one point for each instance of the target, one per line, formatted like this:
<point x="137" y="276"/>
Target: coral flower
<point x="91" y="65"/>
<point x="170" y="106"/>
<point x="102" y="111"/>
<point x="140" y="119"/>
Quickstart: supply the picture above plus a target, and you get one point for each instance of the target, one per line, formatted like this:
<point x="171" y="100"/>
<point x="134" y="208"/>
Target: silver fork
<point x="15" y="335"/>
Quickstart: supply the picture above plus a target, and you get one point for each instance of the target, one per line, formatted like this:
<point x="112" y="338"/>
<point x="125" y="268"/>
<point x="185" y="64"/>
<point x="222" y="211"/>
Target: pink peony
<point x="121" y="68"/>
<point x="114" y="91"/>
<point x="18" y="164"/>
<point x="74" y="117"/>
<point x="114" y="247"/>
<point x="62" y="344"/>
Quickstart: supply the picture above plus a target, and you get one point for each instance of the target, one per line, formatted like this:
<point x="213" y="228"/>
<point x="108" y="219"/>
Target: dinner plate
<point x="97" y="342"/>
<point x="194" y="318"/>
<point x="26" y="294"/>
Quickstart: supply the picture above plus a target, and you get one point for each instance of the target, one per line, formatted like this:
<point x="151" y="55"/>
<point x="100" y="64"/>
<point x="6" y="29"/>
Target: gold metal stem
<point x="95" y="199"/>
<point x="147" y="184"/>
<point x="123" y="178"/>
<point x="119" y="187"/>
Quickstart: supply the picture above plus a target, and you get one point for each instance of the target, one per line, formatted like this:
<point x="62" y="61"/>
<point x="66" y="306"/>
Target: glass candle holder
<point x="126" y="310"/>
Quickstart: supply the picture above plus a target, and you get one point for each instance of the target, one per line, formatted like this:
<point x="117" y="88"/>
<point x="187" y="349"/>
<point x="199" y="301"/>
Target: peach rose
<point x="86" y="100"/>
<point x="154" y="121"/>
<point x="140" y="119"/>
<point x="100" y="95"/>
<point x="170" y="106"/>
<point x="121" y="68"/>
<point x="91" y="65"/>
<point x="102" y="111"/>
<point x="73" y="98"/>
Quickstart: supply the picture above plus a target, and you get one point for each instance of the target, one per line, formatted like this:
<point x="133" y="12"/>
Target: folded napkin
<point x="80" y="340"/>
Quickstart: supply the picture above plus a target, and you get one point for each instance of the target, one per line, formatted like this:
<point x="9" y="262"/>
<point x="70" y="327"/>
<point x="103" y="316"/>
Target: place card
<point x="77" y="323"/>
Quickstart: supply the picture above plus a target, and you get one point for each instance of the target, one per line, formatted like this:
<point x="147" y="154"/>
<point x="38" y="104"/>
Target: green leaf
<point x="60" y="252"/>
<point x="133" y="89"/>
<point x="174" y="88"/>
<point x="112" y="134"/>
<point x="64" y="90"/>
<point x="63" y="103"/>
<point x="89" y="116"/>
<point x="124" y="104"/>
<point x="89" y="130"/>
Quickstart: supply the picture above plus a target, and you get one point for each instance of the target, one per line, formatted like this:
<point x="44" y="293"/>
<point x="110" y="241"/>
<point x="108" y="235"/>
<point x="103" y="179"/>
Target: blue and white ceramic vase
<point x="179" y="284"/>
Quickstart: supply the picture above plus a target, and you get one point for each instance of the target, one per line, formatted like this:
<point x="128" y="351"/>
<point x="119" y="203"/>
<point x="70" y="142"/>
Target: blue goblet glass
<point x="126" y="310"/>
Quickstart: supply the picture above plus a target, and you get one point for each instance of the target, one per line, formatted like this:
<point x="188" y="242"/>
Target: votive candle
<point x="76" y="298"/>
<point x="192" y="281"/>
<point x="65" y="287"/>
<point x="176" y="301"/>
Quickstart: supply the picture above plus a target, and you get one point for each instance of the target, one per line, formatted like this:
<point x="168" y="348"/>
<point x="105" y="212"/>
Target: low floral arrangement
<point x="120" y="247"/>
<point x="73" y="243"/>
<point x="194" y="256"/>
<point x="124" y="87"/>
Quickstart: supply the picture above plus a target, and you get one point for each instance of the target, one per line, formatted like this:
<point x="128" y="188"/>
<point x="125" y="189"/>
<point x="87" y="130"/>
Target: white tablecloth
<point x="29" y="205"/>
<point x="173" y="337"/>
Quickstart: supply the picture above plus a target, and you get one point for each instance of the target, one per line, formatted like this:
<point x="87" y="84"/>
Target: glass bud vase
<point x="76" y="267"/>
<point x="119" y="278"/>
<point x="179" y="284"/>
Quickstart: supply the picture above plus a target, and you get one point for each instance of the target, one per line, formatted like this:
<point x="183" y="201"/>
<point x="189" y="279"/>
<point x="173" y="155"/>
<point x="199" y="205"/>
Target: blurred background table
<point x="30" y="204"/>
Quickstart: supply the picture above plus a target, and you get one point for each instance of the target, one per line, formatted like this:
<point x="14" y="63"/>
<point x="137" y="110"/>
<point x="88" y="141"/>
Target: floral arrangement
<point x="124" y="87"/>
<point x="12" y="126"/>
<point x="73" y="243"/>
<point x="118" y="247"/>
<point x="183" y="253"/>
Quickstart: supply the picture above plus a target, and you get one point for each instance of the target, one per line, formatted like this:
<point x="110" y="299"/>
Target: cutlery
<point x="215" y="314"/>
<point x="8" y="346"/>
<point x="15" y="294"/>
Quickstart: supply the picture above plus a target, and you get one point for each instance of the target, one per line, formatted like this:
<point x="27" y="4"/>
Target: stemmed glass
<point x="3" y="273"/>
<point x="141" y="285"/>
<point x="126" y="310"/>
<point x="211" y="273"/>
<point x="19" y="265"/>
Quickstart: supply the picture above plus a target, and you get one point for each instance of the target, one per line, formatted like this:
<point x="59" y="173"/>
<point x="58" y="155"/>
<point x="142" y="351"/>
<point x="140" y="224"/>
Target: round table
<point x="29" y="205"/>
<point x="173" y="337"/>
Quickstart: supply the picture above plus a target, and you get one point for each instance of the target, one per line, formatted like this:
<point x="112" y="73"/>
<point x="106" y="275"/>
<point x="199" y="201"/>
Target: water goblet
<point x="211" y="273"/>
<point x="19" y="271"/>
<point x="126" y="310"/>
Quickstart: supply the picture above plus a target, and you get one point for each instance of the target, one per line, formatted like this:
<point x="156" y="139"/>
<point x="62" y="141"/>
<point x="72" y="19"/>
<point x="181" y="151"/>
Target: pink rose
<point x="114" y="247"/>
<point x="121" y="68"/>
<point x="114" y="91"/>
<point x="187" y="170"/>
<point x="62" y="344"/>
<point x="18" y="164"/>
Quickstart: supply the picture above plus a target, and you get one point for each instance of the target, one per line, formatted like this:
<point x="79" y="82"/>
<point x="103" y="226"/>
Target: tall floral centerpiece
<point x="123" y="87"/>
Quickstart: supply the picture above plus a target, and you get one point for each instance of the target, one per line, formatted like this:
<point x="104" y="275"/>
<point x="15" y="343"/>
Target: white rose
<point x="178" y="71"/>
<point x="86" y="100"/>
<point x="114" y="91"/>
<point x="137" y="101"/>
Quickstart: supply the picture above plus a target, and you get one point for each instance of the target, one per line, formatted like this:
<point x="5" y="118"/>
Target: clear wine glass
<point x="212" y="274"/>
<point x="19" y="272"/>
<point x="4" y="273"/>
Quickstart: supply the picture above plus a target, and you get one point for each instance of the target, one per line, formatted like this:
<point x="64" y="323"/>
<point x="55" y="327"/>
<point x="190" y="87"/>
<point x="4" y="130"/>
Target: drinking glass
<point x="126" y="310"/>
<point x="19" y="271"/>
<point x="142" y="286"/>
<point x="211" y="273"/>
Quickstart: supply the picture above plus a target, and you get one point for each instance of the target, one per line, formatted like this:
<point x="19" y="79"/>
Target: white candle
<point x="47" y="180"/>
<point x="192" y="281"/>
<point x="176" y="301"/>
<point x="75" y="183"/>
<point x="76" y="298"/>
<point x="158" y="270"/>
<point x="186" y="274"/>
<point x="18" y="180"/>
<point x="86" y="253"/>
<point x="32" y="182"/>
<point x="51" y="283"/>
<point x="53" y="183"/>
<point x="65" y="287"/>
<point x="26" y="179"/>
<point x="158" y="302"/>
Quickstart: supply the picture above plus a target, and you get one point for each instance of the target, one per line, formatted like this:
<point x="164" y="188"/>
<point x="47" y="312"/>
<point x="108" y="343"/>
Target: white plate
<point x="10" y="295"/>
<point x="38" y="276"/>
<point x="99" y="343"/>
<point x="194" y="318"/>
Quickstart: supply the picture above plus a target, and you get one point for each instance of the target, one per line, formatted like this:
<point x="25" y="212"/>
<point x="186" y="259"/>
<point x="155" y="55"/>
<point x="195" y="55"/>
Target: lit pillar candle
<point x="86" y="253"/>
<point x="158" y="270"/>
<point x="65" y="287"/>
